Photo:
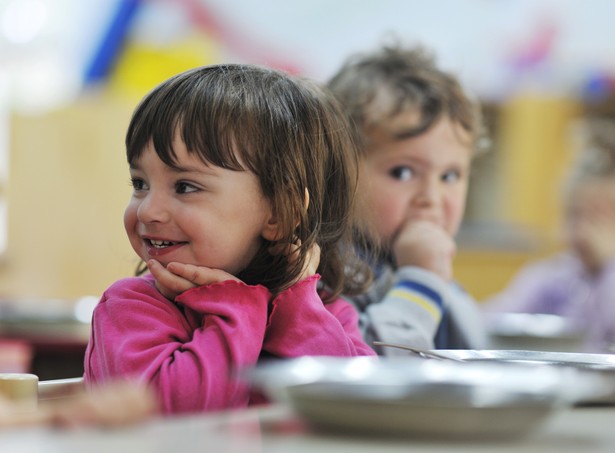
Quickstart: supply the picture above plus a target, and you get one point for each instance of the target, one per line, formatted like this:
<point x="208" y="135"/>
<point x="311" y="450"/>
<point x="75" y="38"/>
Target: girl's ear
<point x="272" y="229"/>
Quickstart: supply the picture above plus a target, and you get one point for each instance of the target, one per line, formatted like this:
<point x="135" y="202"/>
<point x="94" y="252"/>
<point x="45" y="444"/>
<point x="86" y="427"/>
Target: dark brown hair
<point x="286" y="130"/>
<point x="375" y="87"/>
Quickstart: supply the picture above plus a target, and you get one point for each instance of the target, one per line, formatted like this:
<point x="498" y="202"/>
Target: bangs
<point x="192" y="108"/>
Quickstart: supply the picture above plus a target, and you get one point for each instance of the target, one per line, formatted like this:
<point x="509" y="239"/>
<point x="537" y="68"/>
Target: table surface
<point x="275" y="429"/>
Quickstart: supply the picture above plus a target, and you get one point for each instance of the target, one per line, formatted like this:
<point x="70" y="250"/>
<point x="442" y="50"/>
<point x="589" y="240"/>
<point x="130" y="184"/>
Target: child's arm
<point x="546" y="286"/>
<point x="592" y="235"/>
<point x="599" y="308"/>
<point x="406" y="307"/>
<point x="300" y="324"/>
<point x="423" y="307"/>
<point x="409" y="312"/>
<point x="189" y="350"/>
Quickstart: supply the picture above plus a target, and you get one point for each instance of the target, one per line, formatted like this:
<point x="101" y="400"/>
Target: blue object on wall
<point x="598" y="87"/>
<point x="112" y="41"/>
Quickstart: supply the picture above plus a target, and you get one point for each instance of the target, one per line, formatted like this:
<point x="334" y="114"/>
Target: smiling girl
<point x="242" y="203"/>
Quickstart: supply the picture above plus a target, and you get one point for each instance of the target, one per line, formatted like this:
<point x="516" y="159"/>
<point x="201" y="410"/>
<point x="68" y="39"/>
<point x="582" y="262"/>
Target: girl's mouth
<point x="161" y="244"/>
<point x="159" y="247"/>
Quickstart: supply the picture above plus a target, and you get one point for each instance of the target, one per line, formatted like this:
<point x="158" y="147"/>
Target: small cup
<point x="21" y="388"/>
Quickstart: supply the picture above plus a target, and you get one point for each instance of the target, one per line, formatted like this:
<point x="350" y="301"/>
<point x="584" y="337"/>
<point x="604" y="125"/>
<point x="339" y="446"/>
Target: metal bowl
<point x="533" y="331"/>
<point x="417" y="397"/>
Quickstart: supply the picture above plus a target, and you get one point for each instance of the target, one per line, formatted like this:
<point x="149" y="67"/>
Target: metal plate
<point x="600" y="364"/>
<point x="417" y="397"/>
<point x="573" y="359"/>
<point x="426" y="411"/>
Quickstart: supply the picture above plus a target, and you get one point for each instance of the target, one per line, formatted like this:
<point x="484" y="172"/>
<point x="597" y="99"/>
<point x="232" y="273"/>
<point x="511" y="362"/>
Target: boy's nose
<point x="428" y="193"/>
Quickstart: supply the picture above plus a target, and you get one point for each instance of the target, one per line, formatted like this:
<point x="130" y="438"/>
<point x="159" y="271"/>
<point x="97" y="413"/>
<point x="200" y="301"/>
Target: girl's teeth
<point x="161" y="244"/>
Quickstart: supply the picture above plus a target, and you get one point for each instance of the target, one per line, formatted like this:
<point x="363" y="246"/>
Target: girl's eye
<point x="138" y="184"/>
<point x="451" y="176"/>
<point x="401" y="173"/>
<point x="185" y="187"/>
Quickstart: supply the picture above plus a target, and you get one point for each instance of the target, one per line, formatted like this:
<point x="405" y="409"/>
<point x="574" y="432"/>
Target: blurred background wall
<point x="71" y="72"/>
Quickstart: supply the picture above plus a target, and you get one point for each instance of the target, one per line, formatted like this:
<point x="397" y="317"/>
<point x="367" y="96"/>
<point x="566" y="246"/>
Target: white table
<point x="275" y="429"/>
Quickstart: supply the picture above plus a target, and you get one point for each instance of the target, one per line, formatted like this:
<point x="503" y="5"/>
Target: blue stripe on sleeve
<point x="433" y="295"/>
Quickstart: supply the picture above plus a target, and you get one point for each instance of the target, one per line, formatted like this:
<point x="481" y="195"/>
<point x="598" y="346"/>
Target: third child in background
<point x="579" y="283"/>
<point x="417" y="132"/>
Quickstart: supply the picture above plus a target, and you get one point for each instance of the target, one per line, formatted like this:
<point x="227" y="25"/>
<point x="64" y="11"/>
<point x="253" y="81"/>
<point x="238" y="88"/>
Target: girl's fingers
<point x="176" y="278"/>
<point x="288" y="250"/>
<point x="161" y="274"/>
<point x="199" y="275"/>
<point x="168" y="283"/>
<point x="291" y="251"/>
<point x="313" y="259"/>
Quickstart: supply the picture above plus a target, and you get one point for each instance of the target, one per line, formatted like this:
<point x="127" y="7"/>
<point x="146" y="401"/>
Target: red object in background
<point x="15" y="356"/>
<point x="205" y="18"/>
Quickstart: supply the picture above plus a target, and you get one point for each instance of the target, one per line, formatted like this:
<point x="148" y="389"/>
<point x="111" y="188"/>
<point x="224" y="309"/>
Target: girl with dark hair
<point x="242" y="212"/>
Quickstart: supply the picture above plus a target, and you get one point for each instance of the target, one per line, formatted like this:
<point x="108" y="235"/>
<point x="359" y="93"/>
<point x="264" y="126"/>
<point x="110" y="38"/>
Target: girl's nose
<point x="153" y="208"/>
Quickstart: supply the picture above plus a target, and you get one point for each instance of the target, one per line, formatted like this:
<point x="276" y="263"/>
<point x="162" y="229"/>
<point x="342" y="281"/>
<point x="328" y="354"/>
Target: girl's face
<point x="418" y="178"/>
<point x="196" y="213"/>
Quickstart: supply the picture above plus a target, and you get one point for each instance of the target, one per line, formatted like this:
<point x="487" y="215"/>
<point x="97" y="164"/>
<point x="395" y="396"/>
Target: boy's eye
<point x="401" y="173"/>
<point x="451" y="176"/>
<point x="184" y="187"/>
<point x="138" y="184"/>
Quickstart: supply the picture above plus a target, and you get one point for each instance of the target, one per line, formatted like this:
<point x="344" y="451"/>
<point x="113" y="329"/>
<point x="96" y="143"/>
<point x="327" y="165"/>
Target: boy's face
<point x="418" y="178"/>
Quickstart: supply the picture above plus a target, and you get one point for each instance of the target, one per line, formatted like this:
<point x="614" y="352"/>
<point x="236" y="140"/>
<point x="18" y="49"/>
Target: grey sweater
<point x="413" y="306"/>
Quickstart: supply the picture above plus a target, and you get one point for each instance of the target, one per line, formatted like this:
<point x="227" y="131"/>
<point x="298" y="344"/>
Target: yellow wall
<point x="484" y="272"/>
<point x="535" y="141"/>
<point x="68" y="185"/>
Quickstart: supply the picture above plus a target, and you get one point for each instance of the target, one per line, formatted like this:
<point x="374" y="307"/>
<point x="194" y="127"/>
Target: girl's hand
<point x="292" y="250"/>
<point x="425" y="244"/>
<point x="311" y="262"/>
<point x="176" y="278"/>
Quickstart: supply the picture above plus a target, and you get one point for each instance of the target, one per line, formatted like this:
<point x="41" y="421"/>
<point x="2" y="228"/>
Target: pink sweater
<point x="190" y="349"/>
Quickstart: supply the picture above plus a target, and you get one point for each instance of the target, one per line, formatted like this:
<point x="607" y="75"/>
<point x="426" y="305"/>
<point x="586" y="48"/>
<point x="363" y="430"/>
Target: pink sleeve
<point x="187" y="351"/>
<point x="300" y="324"/>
